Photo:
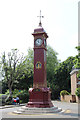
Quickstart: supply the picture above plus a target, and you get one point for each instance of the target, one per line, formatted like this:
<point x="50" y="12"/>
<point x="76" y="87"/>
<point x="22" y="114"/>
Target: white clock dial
<point x="38" y="42"/>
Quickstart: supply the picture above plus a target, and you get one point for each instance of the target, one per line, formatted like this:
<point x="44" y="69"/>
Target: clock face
<point x="38" y="42"/>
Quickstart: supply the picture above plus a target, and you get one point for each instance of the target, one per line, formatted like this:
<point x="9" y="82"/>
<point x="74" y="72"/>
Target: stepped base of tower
<point x="40" y="98"/>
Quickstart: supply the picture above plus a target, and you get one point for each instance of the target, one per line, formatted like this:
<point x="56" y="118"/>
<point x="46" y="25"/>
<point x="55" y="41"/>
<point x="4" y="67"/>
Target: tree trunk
<point x="10" y="91"/>
<point x="10" y="87"/>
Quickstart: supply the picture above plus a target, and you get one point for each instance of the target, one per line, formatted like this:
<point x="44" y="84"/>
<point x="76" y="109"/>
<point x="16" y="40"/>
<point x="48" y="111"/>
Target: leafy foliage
<point x="62" y="73"/>
<point x="77" y="92"/>
<point x="9" y="68"/>
<point x="61" y="77"/>
<point x="25" y="78"/>
<point x="64" y="92"/>
<point x="52" y="63"/>
<point x="22" y="94"/>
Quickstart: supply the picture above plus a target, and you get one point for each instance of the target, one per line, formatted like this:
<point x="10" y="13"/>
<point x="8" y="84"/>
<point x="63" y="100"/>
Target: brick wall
<point x="74" y="81"/>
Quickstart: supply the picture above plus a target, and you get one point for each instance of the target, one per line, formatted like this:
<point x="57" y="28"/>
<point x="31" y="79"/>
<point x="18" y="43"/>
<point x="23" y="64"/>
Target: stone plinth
<point x="31" y="111"/>
<point x="39" y="97"/>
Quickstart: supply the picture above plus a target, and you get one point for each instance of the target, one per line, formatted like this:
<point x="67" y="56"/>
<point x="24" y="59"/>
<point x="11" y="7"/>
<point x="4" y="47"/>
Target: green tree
<point x="9" y="68"/>
<point x="25" y="79"/>
<point x="61" y="80"/>
<point x="52" y="63"/>
<point x="62" y="73"/>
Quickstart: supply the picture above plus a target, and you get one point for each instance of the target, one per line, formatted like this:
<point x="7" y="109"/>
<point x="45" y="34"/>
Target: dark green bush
<point x="9" y="100"/>
<point x="22" y="94"/>
<point x="55" y="92"/>
<point x="2" y="99"/>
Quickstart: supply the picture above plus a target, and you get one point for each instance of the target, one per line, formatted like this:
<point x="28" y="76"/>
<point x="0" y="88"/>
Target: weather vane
<point x="40" y="24"/>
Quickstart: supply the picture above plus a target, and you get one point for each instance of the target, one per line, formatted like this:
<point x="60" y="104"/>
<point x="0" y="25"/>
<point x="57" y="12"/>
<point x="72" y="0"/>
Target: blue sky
<point x="19" y="19"/>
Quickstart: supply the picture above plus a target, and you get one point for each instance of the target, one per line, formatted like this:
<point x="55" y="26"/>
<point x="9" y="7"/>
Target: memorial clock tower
<point x="39" y="95"/>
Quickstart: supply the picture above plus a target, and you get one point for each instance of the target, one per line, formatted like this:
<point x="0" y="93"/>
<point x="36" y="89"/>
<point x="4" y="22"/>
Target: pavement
<point x="10" y="106"/>
<point x="70" y="110"/>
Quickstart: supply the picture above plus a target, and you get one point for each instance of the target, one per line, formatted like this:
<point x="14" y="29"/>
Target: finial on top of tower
<point x="40" y="24"/>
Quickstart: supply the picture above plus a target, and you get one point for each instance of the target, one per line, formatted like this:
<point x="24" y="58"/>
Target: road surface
<point x="70" y="110"/>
